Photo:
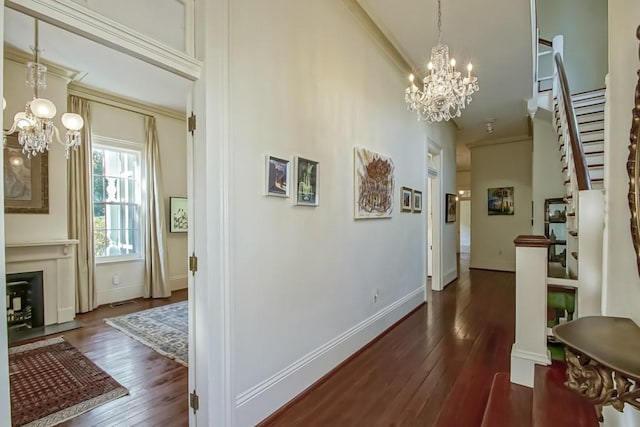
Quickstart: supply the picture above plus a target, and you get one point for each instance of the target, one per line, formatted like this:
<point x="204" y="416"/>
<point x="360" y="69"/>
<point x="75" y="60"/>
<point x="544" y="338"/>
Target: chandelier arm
<point x="56" y="134"/>
<point x="11" y="130"/>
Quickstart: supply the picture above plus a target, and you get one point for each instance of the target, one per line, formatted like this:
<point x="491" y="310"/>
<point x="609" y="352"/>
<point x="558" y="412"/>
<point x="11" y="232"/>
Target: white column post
<point x="590" y="244"/>
<point x="530" y="347"/>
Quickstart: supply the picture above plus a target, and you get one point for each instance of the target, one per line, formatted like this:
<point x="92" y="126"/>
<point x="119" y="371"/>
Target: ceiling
<point x="99" y="67"/>
<point x="495" y="36"/>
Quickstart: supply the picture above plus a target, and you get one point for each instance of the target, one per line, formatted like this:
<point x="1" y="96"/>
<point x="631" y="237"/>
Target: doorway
<point x="434" y="216"/>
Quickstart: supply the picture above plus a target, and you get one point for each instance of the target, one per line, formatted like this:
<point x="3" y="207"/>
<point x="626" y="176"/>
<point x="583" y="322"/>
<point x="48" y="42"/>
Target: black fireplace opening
<point x="25" y="301"/>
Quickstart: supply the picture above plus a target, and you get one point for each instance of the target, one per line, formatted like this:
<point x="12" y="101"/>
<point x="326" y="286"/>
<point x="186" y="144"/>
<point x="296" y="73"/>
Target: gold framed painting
<point x="26" y="180"/>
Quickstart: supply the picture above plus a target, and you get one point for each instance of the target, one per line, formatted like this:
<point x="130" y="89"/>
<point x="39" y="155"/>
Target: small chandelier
<point x="445" y="93"/>
<point x="35" y="124"/>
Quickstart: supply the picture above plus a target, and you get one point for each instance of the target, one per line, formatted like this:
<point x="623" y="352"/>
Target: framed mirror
<point x="633" y="168"/>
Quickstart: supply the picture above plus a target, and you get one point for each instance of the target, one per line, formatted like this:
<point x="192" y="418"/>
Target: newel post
<point x="530" y="347"/>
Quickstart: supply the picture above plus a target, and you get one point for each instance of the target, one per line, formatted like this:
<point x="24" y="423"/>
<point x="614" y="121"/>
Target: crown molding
<point x="498" y="141"/>
<point x="117" y="101"/>
<point x="78" y="19"/>
<point x="20" y="57"/>
<point x="379" y="36"/>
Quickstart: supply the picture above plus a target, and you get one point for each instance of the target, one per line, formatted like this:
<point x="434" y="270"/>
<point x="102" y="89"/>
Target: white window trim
<point x="99" y="141"/>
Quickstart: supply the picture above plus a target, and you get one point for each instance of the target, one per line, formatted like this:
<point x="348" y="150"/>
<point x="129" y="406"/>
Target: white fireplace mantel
<point x="56" y="260"/>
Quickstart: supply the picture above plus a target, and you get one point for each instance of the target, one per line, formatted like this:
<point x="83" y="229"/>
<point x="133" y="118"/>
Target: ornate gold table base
<point x="599" y="384"/>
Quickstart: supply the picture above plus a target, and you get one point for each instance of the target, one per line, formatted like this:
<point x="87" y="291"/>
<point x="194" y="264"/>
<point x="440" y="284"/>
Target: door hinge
<point x="193" y="264"/>
<point x="194" y="401"/>
<point x="191" y="123"/>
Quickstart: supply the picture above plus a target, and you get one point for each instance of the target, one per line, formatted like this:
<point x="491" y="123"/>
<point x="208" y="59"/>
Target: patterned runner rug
<point x="51" y="381"/>
<point x="165" y="329"/>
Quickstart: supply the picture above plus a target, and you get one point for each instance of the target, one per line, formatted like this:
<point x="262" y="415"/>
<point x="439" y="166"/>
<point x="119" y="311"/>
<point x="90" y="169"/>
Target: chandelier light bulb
<point x="16" y="160"/>
<point x="72" y="121"/>
<point x="22" y="121"/>
<point x="469" y="68"/>
<point x="43" y="108"/>
<point x="453" y="62"/>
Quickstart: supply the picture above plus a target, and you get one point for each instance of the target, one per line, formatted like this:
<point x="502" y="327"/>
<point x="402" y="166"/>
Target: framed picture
<point x="374" y="181"/>
<point x="178" y="215"/>
<point x="500" y="201"/>
<point x="450" y="206"/>
<point x="277" y="176"/>
<point x="417" y="201"/>
<point x="406" y="198"/>
<point x="26" y="180"/>
<point x="306" y="182"/>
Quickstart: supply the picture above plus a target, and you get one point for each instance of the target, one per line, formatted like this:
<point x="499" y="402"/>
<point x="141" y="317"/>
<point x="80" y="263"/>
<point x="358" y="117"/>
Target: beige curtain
<point x="155" y="279"/>
<point x="79" y="183"/>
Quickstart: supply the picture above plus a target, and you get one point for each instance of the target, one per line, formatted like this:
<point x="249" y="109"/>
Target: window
<point x="117" y="195"/>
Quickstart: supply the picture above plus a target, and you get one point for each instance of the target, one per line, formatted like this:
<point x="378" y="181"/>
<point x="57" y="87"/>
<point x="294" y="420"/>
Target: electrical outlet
<point x="116" y="280"/>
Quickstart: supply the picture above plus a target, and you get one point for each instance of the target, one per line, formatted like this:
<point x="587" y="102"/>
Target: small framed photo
<point x="306" y="182"/>
<point x="406" y="199"/>
<point x="178" y="216"/>
<point x="450" y="207"/>
<point x="277" y="176"/>
<point x="417" y="201"/>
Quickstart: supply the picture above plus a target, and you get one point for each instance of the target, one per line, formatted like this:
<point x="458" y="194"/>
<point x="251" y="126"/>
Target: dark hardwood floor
<point x="157" y="385"/>
<point x="433" y="369"/>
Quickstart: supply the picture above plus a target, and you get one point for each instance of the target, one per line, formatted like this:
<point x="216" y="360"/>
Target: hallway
<point x="434" y="368"/>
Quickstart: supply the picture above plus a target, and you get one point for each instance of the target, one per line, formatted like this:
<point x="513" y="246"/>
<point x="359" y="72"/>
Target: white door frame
<point x="5" y="399"/>
<point x="435" y="172"/>
<point x="210" y="293"/>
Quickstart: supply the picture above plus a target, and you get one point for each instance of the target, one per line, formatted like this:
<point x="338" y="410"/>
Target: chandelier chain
<point x="439" y="22"/>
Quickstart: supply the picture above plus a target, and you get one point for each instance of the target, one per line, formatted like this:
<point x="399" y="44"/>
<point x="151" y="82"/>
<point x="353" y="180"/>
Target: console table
<point x="603" y="360"/>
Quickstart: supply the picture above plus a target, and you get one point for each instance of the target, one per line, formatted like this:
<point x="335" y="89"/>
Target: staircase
<point x="589" y="111"/>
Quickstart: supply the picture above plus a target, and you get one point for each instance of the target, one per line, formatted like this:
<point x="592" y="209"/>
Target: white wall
<point x="499" y="165"/>
<point x="124" y="125"/>
<point x="622" y="284"/>
<point x="584" y="26"/>
<point x="548" y="178"/>
<point x="38" y="227"/>
<point x="465" y="225"/>
<point x="308" y="80"/>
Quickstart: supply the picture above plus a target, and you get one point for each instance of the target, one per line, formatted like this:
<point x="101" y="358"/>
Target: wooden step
<point x="591" y="126"/>
<point x="596" y="93"/>
<point x="555" y="405"/>
<point x="509" y="404"/>
<point x="590" y="108"/>
<point x="590" y="116"/>
<point x="587" y="102"/>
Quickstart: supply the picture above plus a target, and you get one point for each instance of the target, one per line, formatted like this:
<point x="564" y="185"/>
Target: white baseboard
<point x="449" y="277"/>
<point x="523" y="365"/>
<point x="178" y="282"/>
<point x="257" y="403"/>
<point x="493" y="264"/>
<point x="121" y="293"/>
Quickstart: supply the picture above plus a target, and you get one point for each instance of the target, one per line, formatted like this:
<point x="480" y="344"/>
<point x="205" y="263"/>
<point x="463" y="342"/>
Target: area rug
<point x="165" y="329"/>
<point x="51" y="382"/>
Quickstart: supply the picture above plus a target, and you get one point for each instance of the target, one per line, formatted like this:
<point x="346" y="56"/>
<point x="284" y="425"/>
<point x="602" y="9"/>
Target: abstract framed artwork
<point x="406" y="198"/>
<point x="374" y="182"/>
<point x="277" y="176"/>
<point x="500" y="201"/>
<point x="178" y="215"/>
<point x="306" y="182"/>
<point x="417" y="201"/>
<point x="26" y="180"/>
<point x="450" y="206"/>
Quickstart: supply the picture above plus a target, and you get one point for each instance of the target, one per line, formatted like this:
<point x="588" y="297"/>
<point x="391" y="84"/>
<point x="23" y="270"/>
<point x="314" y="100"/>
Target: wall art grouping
<point x="410" y="200"/>
<point x="278" y="176"/>
<point x="374" y="183"/>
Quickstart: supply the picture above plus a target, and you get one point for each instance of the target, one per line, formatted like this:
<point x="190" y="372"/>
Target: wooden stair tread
<point x="508" y="404"/>
<point x="555" y="405"/>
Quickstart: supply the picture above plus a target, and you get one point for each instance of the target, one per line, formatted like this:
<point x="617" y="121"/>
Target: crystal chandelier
<point x="445" y="93"/>
<point x="35" y="124"/>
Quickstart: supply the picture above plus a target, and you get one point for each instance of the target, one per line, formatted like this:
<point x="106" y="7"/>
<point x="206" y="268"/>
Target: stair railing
<point x="571" y="135"/>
